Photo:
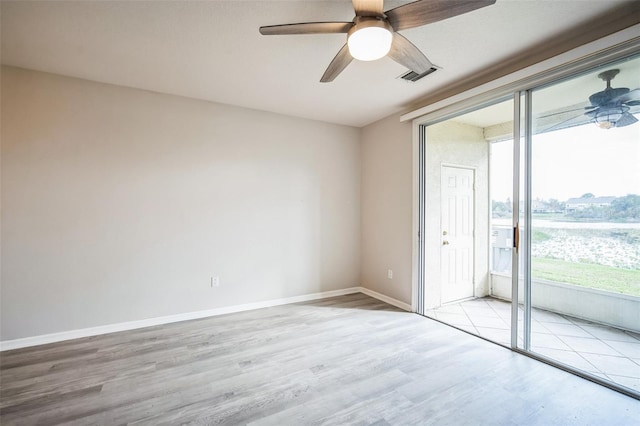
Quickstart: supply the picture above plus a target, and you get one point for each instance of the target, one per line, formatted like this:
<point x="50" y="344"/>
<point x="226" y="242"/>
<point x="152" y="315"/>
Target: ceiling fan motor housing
<point x="607" y="96"/>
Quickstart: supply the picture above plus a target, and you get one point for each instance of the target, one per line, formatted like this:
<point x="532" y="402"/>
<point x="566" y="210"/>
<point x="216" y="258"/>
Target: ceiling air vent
<point x="413" y="76"/>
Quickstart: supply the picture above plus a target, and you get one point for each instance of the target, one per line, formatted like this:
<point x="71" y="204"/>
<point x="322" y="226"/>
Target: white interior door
<point x="457" y="233"/>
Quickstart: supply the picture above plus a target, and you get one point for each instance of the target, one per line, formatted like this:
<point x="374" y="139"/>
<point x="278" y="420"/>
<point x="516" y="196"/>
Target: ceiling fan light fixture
<point x="608" y="117"/>
<point x="370" y="39"/>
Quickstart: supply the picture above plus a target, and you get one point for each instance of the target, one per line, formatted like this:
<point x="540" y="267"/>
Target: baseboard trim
<point x="387" y="299"/>
<point x="132" y="325"/>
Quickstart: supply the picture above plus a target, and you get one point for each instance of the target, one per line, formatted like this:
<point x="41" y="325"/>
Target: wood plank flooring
<point x="344" y="360"/>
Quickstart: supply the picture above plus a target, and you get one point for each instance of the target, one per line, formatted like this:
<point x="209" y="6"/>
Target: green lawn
<point x="538" y="236"/>
<point x="606" y="278"/>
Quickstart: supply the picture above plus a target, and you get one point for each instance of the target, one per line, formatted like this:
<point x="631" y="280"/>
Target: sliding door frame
<point x="419" y="220"/>
<point x="515" y="217"/>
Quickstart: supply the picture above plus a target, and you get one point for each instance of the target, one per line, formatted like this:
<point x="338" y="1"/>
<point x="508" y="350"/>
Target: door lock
<point x="445" y="243"/>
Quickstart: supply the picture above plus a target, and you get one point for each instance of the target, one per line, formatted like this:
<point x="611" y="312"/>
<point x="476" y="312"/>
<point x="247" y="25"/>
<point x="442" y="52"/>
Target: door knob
<point x="445" y="242"/>
<point x="444" y="232"/>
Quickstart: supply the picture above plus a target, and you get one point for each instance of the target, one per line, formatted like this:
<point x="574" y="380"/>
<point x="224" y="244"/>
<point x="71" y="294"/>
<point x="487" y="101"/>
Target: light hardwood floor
<point x="345" y="360"/>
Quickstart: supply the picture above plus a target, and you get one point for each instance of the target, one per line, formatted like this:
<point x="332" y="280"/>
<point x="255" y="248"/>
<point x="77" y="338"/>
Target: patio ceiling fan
<point x="612" y="107"/>
<point x="373" y="33"/>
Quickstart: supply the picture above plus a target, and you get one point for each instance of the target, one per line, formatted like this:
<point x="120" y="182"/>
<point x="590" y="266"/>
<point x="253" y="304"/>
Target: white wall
<point x="120" y="204"/>
<point x="387" y="207"/>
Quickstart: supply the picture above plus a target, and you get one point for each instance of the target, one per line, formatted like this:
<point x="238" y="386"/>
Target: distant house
<point x="540" y="206"/>
<point x="574" y="204"/>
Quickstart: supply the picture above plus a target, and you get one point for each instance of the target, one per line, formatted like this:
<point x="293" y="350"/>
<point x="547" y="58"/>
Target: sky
<point x="571" y="162"/>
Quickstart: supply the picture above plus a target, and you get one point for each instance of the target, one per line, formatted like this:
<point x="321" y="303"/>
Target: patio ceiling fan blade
<point x="337" y="65"/>
<point x="307" y="28"/>
<point x="631" y="98"/>
<point x="566" y="111"/>
<point x="368" y="7"/>
<point x="576" y="120"/>
<point x="408" y="55"/>
<point x="425" y="12"/>
<point x="627" y="119"/>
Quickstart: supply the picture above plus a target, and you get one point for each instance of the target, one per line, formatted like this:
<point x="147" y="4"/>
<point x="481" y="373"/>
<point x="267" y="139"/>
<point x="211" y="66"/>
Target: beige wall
<point x="120" y="204"/>
<point x="387" y="207"/>
<point x="452" y="143"/>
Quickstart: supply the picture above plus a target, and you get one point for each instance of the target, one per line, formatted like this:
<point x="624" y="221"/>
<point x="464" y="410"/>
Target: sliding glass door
<point x="530" y="221"/>
<point x="583" y="211"/>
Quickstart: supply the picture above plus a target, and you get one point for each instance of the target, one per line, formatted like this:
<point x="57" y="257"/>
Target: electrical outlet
<point x="215" y="282"/>
<point x="390" y="274"/>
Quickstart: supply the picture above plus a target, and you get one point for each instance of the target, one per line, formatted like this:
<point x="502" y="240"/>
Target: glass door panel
<point x="468" y="207"/>
<point x="584" y="204"/>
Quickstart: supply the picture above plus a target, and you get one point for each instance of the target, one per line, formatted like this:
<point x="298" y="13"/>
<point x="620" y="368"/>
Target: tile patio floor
<point x="600" y="350"/>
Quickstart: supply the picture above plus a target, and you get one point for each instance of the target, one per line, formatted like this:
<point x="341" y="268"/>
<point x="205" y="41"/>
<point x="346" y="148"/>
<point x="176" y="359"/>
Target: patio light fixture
<point x="606" y="118"/>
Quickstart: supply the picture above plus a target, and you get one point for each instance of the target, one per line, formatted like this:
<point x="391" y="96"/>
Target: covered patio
<point x="610" y="353"/>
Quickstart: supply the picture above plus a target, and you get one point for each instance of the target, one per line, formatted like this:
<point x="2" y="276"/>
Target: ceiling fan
<point x="612" y="107"/>
<point x="373" y="33"/>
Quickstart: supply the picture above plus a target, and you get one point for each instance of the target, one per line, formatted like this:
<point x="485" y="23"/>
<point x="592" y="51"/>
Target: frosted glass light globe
<point x="369" y="43"/>
<point x="607" y="118"/>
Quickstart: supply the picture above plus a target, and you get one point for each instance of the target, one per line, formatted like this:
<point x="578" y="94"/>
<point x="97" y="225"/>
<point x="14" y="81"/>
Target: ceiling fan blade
<point x="627" y="119"/>
<point x="630" y="98"/>
<point x="427" y="11"/>
<point x="407" y="54"/>
<point x="368" y="7"/>
<point x="577" y="120"/>
<point x="307" y="28"/>
<point x="567" y="111"/>
<point x="339" y="63"/>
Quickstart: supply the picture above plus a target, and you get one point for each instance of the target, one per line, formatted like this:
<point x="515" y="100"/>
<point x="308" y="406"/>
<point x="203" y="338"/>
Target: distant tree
<point x="556" y="206"/>
<point x="627" y="208"/>
<point x="588" y="195"/>
<point x="500" y="209"/>
<point x="591" y="212"/>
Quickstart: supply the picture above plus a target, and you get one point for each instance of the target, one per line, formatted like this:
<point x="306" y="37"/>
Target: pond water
<point x="609" y="244"/>
<point x="544" y="223"/>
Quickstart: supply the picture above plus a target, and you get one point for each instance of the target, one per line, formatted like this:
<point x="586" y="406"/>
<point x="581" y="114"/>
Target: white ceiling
<point x="212" y="50"/>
